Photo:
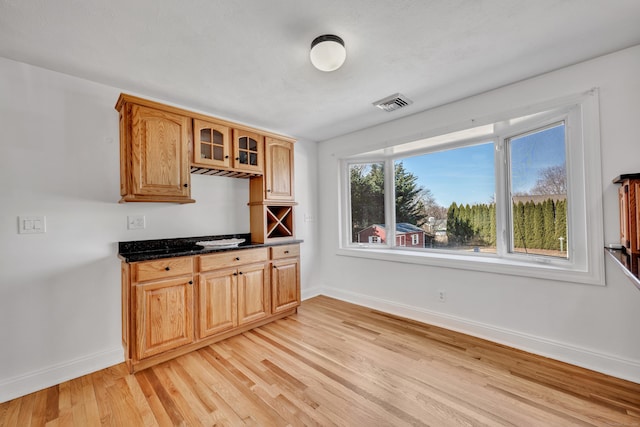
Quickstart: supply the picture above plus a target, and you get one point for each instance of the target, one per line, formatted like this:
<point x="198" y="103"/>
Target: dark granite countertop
<point x="628" y="263"/>
<point x="145" y="250"/>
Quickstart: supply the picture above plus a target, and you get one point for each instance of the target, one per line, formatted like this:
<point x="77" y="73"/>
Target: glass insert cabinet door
<point x="248" y="150"/>
<point x="212" y="144"/>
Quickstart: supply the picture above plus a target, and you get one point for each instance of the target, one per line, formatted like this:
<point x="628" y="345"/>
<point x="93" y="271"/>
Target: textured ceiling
<point x="247" y="60"/>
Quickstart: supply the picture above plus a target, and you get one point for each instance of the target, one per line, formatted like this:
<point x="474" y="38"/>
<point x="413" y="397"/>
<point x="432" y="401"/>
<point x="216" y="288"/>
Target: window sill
<point x="533" y="268"/>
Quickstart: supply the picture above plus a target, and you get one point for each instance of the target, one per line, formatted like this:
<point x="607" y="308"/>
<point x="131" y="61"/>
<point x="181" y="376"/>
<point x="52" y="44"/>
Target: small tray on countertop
<point x="222" y="243"/>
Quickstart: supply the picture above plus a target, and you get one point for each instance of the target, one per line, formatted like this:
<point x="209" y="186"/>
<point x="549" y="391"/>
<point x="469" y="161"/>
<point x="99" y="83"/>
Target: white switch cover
<point x="32" y="224"/>
<point x="135" y="222"/>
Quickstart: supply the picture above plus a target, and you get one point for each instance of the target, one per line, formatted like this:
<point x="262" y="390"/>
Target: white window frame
<point x="585" y="263"/>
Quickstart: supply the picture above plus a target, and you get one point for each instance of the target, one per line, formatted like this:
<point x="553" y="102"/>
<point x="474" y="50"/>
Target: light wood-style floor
<point x="335" y="363"/>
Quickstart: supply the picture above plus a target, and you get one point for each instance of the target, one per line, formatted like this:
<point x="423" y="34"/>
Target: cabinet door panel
<point x="285" y="289"/>
<point x="160" y="163"/>
<point x="217" y="302"/>
<point x="253" y="296"/>
<point x="279" y="170"/>
<point x="248" y="150"/>
<point x="212" y="145"/>
<point x="164" y="317"/>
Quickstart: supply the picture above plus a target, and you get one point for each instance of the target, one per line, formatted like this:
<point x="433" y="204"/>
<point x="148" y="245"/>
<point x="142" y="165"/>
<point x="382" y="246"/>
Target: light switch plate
<point x="32" y="224"/>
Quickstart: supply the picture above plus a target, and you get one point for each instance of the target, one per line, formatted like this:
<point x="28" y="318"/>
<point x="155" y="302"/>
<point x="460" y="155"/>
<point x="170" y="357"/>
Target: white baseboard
<point x="585" y="358"/>
<point x="22" y="385"/>
<point x="310" y="293"/>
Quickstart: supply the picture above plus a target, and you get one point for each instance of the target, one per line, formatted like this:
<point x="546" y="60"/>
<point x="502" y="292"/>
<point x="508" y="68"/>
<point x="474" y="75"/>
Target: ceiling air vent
<point x="393" y="102"/>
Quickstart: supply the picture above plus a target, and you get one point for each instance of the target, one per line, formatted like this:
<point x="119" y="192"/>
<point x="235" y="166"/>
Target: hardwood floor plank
<point x="338" y="364"/>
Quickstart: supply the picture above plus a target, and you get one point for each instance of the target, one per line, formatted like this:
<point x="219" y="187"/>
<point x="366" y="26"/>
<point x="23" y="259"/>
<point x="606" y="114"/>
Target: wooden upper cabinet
<point x="212" y="144"/>
<point x="154" y="152"/>
<point x="278" y="170"/>
<point x="248" y="151"/>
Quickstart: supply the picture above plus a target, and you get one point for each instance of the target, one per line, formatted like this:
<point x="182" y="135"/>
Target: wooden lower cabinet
<point x="285" y="291"/>
<point x="176" y="305"/>
<point x="253" y="293"/>
<point x="217" y="302"/>
<point x="164" y="315"/>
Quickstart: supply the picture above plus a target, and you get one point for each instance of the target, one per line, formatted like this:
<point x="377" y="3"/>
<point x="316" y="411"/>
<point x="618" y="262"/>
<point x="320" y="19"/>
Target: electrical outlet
<point x="442" y="296"/>
<point x="135" y="222"/>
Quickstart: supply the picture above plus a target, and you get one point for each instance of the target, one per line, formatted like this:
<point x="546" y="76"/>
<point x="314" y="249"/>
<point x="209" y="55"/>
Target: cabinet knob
<point x="226" y="157"/>
<point x="286" y="252"/>
<point x="275" y="266"/>
<point x="268" y="190"/>
<point x="237" y="258"/>
<point x="167" y="268"/>
<point x="237" y="158"/>
<point x="186" y="185"/>
<point x="235" y="274"/>
<point x="240" y="272"/>
<point x="191" y="282"/>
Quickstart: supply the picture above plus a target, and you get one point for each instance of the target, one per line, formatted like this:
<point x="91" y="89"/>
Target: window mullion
<point x="502" y="198"/>
<point x="389" y="202"/>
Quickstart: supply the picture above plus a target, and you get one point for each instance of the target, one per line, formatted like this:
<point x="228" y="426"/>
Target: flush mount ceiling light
<point x="327" y="52"/>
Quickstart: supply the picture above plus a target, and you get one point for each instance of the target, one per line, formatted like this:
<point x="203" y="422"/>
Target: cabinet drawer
<point x="285" y="251"/>
<point x="162" y="268"/>
<point x="232" y="258"/>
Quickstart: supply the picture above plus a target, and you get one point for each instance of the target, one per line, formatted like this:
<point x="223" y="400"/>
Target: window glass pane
<point x="244" y="158"/>
<point x="218" y="153"/>
<point x="217" y="137"/>
<point x="205" y="135"/>
<point x="205" y="151"/>
<point x="366" y="182"/>
<point x="446" y="199"/>
<point x="539" y="192"/>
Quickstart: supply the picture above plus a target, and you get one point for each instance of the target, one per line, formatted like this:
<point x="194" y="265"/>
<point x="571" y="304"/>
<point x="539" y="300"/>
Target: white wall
<point x="591" y="326"/>
<point x="60" y="291"/>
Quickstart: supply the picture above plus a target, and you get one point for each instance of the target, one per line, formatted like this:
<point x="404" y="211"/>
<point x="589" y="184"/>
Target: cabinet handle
<point x="167" y="268"/>
<point x="191" y="282"/>
<point x="237" y="258"/>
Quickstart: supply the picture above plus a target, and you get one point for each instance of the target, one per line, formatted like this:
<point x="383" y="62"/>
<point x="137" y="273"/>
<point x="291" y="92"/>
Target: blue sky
<point x="466" y="175"/>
